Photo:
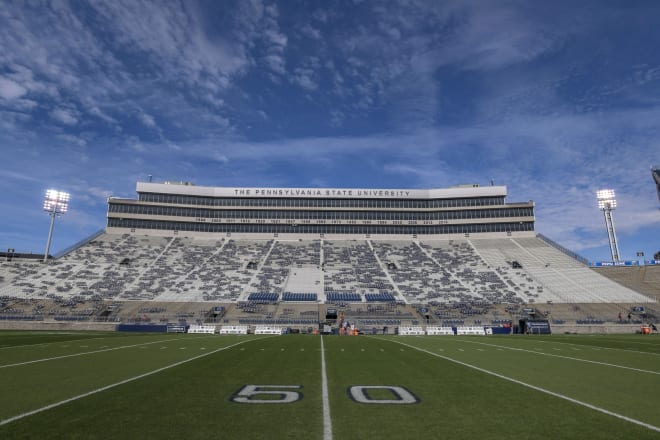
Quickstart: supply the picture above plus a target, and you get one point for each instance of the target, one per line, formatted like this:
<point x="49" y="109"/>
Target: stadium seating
<point x="298" y="297"/>
<point x="380" y="297"/>
<point x="340" y="297"/>
<point x="457" y="282"/>
<point x="263" y="297"/>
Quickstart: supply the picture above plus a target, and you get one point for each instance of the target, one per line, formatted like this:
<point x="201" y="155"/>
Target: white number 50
<point x="275" y="393"/>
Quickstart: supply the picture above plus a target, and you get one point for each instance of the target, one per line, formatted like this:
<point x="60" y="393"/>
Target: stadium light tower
<point x="655" y="172"/>
<point x="607" y="203"/>
<point x="56" y="203"/>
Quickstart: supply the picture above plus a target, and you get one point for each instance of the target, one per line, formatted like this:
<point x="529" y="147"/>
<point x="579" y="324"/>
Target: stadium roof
<point x="208" y="191"/>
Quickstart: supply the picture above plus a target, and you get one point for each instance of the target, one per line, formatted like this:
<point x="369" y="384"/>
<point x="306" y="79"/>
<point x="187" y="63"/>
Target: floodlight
<point x="606" y="199"/>
<point x="607" y="204"/>
<point x="604" y="194"/>
<point x="56" y="203"/>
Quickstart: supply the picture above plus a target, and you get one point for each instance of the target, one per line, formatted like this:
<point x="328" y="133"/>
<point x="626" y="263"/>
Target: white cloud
<point x="64" y="116"/>
<point x="496" y="37"/>
<point x="336" y="118"/>
<point x="55" y="54"/>
<point x="10" y="89"/>
<point x="137" y="146"/>
<point x="95" y="111"/>
<point x="276" y="38"/>
<point x="221" y="158"/>
<point x="172" y="37"/>
<point x="276" y="63"/>
<point x="311" y="32"/>
<point x="305" y="78"/>
<point x="72" y="139"/>
<point x="147" y="120"/>
<point x="20" y="176"/>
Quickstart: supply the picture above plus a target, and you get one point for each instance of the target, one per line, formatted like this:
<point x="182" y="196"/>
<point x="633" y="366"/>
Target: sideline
<point x="116" y="384"/>
<point x="327" y="421"/>
<point x="534" y="387"/>
<point x="88" y="352"/>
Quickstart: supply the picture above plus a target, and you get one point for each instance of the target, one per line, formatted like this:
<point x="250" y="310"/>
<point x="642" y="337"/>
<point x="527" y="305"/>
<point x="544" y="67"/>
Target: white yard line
<point x="116" y="384"/>
<point x="602" y="348"/>
<point x="606" y="339"/>
<point x="565" y="357"/>
<point x="534" y="387"/>
<point x="327" y="422"/>
<point x="86" y="353"/>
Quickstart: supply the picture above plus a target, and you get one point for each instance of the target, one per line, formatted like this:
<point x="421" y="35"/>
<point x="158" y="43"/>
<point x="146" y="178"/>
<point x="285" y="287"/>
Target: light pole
<point x="607" y="203"/>
<point x="56" y="203"/>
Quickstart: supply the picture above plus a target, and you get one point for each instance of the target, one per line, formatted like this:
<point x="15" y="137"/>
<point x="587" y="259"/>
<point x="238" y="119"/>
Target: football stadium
<point x="325" y="313"/>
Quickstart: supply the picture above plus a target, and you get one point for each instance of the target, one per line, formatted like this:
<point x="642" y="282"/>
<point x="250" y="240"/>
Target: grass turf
<point x="193" y="399"/>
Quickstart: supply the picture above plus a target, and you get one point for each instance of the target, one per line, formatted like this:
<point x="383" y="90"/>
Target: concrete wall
<point x="102" y="326"/>
<point x="597" y="329"/>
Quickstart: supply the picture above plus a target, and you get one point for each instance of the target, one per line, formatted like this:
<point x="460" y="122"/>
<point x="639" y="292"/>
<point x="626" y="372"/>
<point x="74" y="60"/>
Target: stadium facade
<point x="173" y="208"/>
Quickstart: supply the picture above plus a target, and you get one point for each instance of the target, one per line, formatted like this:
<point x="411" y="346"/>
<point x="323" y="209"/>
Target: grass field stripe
<point x="606" y="364"/>
<point x="116" y="384"/>
<point x="85" y="353"/>
<point x="534" y="387"/>
<point x="327" y="421"/>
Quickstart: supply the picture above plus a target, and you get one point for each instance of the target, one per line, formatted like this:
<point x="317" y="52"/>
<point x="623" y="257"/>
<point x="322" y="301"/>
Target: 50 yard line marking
<point x="327" y="421"/>
<point x="116" y="384"/>
<point x="534" y="387"/>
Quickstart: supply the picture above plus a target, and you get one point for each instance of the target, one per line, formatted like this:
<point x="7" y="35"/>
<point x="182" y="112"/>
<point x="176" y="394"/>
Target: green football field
<point x="118" y="385"/>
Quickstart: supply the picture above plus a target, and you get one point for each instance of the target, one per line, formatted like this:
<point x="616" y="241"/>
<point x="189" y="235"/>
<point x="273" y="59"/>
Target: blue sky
<point x="553" y="99"/>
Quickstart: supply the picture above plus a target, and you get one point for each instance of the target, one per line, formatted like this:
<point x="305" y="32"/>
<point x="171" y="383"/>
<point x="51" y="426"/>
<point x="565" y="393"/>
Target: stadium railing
<point x="563" y="249"/>
<point x="80" y="243"/>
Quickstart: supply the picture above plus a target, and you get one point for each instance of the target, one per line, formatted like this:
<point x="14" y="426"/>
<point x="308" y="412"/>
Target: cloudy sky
<point x="553" y="99"/>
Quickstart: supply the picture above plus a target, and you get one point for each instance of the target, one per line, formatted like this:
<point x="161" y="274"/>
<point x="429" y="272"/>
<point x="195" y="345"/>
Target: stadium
<point x="296" y="258"/>
<point x="327" y="313"/>
<point x="275" y="219"/>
